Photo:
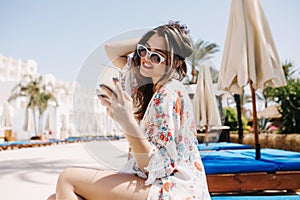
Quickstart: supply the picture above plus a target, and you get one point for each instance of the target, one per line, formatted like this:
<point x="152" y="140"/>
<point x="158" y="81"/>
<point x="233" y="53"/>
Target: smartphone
<point x="107" y="75"/>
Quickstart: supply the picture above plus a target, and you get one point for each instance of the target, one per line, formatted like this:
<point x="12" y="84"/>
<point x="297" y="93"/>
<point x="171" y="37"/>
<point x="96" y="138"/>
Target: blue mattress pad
<point x="223" y="162"/>
<point x="285" y="160"/>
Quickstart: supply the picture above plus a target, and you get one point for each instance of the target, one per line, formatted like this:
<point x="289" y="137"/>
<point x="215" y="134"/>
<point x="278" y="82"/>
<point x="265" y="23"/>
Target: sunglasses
<point x="155" y="58"/>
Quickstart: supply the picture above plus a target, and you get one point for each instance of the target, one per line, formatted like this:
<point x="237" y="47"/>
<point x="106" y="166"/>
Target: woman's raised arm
<point x="117" y="51"/>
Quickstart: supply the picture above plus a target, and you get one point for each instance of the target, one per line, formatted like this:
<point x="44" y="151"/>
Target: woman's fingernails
<point x="115" y="79"/>
<point x="102" y="95"/>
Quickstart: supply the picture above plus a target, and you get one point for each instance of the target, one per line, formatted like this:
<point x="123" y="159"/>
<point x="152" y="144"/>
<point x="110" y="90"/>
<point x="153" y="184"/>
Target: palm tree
<point x="287" y="97"/>
<point x="201" y="51"/>
<point x="38" y="96"/>
<point x="289" y="71"/>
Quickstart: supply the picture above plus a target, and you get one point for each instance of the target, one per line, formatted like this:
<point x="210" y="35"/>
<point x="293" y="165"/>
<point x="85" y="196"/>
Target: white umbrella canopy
<point x="64" y="123"/>
<point x="249" y="55"/>
<point x="48" y="125"/>
<point x="205" y="105"/>
<point x="64" y="128"/>
<point x="29" y="121"/>
<point x="6" y="121"/>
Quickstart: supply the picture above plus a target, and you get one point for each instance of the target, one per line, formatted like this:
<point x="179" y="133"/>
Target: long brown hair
<point x="178" y="46"/>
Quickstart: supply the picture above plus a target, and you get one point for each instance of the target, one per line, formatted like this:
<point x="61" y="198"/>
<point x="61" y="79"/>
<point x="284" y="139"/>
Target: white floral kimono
<point x="175" y="170"/>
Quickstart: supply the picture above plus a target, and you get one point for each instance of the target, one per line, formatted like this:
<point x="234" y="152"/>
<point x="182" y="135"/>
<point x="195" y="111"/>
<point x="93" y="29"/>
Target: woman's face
<point x="154" y="44"/>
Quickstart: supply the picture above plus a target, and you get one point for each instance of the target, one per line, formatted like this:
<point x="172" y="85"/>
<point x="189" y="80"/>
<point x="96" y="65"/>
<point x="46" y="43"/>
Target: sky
<point x="60" y="34"/>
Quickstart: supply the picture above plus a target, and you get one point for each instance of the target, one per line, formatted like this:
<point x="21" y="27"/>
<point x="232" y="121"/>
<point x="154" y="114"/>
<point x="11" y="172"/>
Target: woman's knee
<point x="66" y="175"/>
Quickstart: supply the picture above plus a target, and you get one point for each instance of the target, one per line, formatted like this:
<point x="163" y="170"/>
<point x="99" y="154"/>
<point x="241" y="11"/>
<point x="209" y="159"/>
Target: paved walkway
<point x="31" y="173"/>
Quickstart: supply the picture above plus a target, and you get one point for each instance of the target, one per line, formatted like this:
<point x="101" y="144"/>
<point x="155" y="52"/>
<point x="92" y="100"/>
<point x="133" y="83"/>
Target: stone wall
<point x="289" y="142"/>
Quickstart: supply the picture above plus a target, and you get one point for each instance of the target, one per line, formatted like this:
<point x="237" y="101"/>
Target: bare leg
<point x="52" y="197"/>
<point x="92" y="184"/>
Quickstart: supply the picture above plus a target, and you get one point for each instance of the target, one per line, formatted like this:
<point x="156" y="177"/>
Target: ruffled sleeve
<point x="162" y="126"/>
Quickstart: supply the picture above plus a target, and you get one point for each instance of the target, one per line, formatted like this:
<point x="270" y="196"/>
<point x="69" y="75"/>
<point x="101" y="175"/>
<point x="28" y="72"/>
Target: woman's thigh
<point x="95" y="184"/>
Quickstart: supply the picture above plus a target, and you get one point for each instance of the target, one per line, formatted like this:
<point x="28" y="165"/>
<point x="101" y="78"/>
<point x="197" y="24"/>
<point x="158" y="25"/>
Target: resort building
<point x="83" y="116"/>
<point x="13" y="70"/>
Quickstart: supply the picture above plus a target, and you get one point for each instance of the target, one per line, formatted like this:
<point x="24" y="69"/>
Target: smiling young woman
<point x="153" y="63"/>
<point x="158" y="122"/>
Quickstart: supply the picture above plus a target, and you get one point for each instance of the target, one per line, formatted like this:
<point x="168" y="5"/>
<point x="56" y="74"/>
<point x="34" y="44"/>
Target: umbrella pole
<point x="255" y="125"/>
<point x="206" y="134"/>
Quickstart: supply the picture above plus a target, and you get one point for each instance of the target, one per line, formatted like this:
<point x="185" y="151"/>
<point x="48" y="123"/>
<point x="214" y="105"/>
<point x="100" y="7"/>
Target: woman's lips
<point x="147" y="67"/>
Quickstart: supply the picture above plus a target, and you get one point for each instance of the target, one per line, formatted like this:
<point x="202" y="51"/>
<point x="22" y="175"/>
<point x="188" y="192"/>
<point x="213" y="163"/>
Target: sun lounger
<point x="17" y="144"/>
<point x="89" y="139"/>
<point x="222" y="146"/>
<point x="55" y="141"/>
<point x="4" y="145"/>
<point x="236" y="171"/>
<point x="26" y="144"/>
<point x="72" y="139"/>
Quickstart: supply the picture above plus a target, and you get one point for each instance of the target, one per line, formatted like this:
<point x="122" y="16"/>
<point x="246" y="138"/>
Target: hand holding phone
<point x="106" y="91"/>
<point x="106" y="77"/>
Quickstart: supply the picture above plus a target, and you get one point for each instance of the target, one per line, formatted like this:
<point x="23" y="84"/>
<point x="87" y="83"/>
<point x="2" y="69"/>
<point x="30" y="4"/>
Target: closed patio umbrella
<point x="249" y="55"/>
<point x="29" y="121"/>
<point x="6" y="121"/>
<point x="204" y="102"/>
<point x="64" y="123"/>
<point x="64" y="127"/>
<point x="48" y="125"/>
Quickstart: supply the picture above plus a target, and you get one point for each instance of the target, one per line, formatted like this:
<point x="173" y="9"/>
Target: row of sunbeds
<point x="39" y="143"/>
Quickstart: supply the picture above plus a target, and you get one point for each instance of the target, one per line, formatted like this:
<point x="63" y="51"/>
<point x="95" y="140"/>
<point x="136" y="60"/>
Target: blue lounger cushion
<point x="55" y="140"/>
<point x="222" y="146"/>
<point x="4" y="144"/>
<point x="285" y="160"/>
<point x="16" y="143"/>
<point x="222" y="162"/>
<point x="274" y="197"/>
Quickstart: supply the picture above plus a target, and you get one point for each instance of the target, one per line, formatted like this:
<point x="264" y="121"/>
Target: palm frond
<point x="202" y="51"/>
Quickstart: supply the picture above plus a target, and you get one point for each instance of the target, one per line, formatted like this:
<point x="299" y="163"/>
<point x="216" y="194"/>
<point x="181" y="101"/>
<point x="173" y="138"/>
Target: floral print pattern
<point x="175" y="170"/>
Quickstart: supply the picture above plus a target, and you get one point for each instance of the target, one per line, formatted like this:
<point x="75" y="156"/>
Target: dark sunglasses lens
<point x="142" y="51"/>
<point x="155" y="59"/>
